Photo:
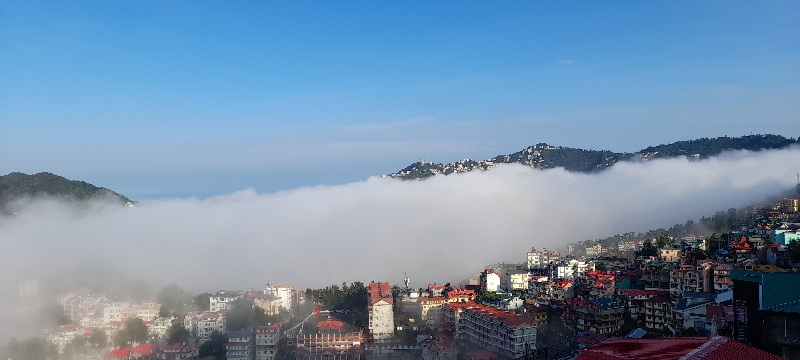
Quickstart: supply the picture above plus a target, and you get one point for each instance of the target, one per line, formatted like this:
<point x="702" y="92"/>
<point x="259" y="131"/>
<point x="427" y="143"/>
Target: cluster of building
<point x="740" y="286"/>
<point x="90" y="312"/>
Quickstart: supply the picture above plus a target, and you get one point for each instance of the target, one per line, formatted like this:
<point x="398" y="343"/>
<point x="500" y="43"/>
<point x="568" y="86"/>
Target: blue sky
<point x="173" y="99"/>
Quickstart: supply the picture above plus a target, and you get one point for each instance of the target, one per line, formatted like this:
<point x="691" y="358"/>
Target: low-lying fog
<point x="442" y="229"/>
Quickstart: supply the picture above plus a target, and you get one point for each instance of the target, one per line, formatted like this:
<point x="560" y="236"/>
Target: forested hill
<point x="544" y="156"/>
<point x="16" y="185"/>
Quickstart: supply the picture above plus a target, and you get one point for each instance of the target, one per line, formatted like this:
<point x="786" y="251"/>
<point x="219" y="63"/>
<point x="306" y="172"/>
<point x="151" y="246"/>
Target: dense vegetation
<point x="346" y="297"/>
<point x="706" y="147"/>
<point x="544" y="156"/>
<point x="16" y="185"/>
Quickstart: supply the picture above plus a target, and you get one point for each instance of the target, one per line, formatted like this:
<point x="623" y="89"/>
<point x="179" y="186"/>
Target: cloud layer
<point x="442" y="229"/>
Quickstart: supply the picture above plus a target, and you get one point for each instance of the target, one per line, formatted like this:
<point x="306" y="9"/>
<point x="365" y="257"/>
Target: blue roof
<point x="607" y="303"/>
<point x="637" y="333"/>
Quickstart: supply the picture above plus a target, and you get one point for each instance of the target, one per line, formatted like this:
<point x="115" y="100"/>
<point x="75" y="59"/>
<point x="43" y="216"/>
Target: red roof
<point x="145" y="349"/>
<point x="481" y="355"/>
<point x="329" y="325"/>
<point x="688" y="348"/>
<point x="380" y="291"/>
<point x="118" y="353"/>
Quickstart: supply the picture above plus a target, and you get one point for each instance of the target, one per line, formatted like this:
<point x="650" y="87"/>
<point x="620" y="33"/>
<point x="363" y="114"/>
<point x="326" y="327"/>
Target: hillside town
<point x="729" y="293"/>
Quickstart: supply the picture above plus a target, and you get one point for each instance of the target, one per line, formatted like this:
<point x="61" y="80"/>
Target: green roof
<point x="779" y="292"/>
<point x="624" y="284"/>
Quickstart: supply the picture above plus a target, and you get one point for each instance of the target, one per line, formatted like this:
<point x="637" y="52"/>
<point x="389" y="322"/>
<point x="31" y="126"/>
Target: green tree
<point x="202" y="301"/>
<point x="214" y="347"/>
<point x="664" y="240"/>
<point x="647" y="249"/>
<point x="177" y="333"/>
<point x="99" y="339"/>
<point x="135" y="332"/>
<point x="173" y="300"/>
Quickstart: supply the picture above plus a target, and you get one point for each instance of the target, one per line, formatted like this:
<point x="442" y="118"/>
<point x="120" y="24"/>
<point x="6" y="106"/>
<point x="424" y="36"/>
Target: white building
<point x="540" y="259"/>
<point x="381" y="313"/>
<point x="490" y="280"/>
<point x="222" y="299"/>
<point x="159" y="327"/>
<point x="594" y="250"/>
<point x="208" y="323"/>
<point x="283" y="292"/>
<point x="115" y="312"/>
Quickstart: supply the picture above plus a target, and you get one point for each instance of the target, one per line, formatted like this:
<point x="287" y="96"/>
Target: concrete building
<point x="432" y="310"/>
<point x="503" y="332"/>
<point x="381" y="312"/>
<point x="490" y="280"/>
<point x="540" y="259"/>
<point x="331" y="341"/>
<point x="599" y="316"/>
<point x="688" y="278"/>
<point x="222" y="299"/>
<point x="283" y="292"/>
<point x="208" y="323"/>
<point x="267" y="338"/>
<point x="241" y="345"/>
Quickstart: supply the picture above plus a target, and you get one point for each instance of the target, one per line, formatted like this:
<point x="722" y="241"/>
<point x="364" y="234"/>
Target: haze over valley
<point x="379" y="228"/>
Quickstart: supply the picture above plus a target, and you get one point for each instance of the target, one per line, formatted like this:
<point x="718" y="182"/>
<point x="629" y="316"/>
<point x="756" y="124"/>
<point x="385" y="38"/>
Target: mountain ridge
<point x="17" y="185"/>
<point x="544" y="156"/>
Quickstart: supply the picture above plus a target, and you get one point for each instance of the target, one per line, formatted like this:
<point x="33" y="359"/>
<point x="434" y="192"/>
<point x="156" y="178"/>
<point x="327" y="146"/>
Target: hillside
<point x="544" y="156"/>
<point x="16" y="185"/>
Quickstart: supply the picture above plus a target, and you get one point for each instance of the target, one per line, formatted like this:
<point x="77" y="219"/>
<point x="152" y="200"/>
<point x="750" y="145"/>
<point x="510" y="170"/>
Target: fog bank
<point x="440" y="229"/>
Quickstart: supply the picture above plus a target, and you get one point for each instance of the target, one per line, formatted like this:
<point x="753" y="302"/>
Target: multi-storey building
<point x="656" y="278"/>
<point x="381" y="312"/>
<point x="670" y="254"/>
<point x="689" y="278"/>
<point x="490" y="280"/>
<point x="594" y="250"/>
<point x="158" y="328"/>
<point x="503" y="332"/>
<point x="222" y="299"/>
<point x="208" y="323"/>
<point x="432" y="310"/>
<point x="635" y="300"/>
<point x="176" y="352"/>
<point x="240" y="346"/>
<point x="657" y="312"/>
<point x="599" y="316"/>
<point x="517" y="280"/>
<point x="540" y="259"/>
<point x="267" y="338"/>
<point x="331" y="341"/>
<point x="722" y="277"/>
<point x="283" y="292"/>
<point x="268" y="303"/>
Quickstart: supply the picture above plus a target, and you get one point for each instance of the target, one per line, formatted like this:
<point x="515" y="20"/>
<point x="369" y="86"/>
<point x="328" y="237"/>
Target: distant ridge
<point x="544" y="156"/>
<point x="16" y="185"/>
